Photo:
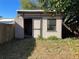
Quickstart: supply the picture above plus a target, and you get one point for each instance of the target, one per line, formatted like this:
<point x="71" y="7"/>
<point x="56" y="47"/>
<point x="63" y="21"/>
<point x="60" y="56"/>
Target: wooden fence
<point x="7" y="32"/>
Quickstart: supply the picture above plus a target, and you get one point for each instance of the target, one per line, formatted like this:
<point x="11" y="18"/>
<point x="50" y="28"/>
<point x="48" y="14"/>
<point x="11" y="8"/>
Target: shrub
<point x="52" y="38"/>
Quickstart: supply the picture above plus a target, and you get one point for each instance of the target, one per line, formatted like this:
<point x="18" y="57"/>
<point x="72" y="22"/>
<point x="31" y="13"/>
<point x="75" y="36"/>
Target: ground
<point x="40" y="49"/>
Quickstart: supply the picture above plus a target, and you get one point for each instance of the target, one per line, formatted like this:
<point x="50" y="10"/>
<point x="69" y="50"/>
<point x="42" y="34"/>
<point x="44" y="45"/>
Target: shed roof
<point x="30" y="10"/>
<point x="37" y="13"/>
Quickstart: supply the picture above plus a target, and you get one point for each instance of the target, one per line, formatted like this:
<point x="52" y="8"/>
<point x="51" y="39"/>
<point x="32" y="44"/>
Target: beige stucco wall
<point x="58" y="31"/>
<point x="45" y="33"/>
<point x="19" y="27"/>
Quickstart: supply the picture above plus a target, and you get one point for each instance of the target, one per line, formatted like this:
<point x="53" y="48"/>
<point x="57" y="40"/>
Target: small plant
<point x="52" y="38"/>
<point x="40" y="38"/>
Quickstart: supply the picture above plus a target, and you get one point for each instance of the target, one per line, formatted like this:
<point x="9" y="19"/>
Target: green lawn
<point x="40" y="49"/>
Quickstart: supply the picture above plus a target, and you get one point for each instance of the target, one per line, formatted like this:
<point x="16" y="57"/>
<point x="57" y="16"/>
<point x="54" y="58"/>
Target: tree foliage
<point x="71" y="19"/>
<point x="27" y="4"/>
<point x="57" y="5"/>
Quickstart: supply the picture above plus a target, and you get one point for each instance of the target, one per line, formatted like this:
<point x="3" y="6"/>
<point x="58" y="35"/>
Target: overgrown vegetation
<point x="52" y="38"/>
<point x="56" y="49"/>
<point x="55" y="38"/>
<point x="48" y="38"/>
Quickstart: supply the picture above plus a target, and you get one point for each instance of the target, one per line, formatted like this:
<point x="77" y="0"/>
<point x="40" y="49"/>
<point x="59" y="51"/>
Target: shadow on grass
<point x="17" y="49"/>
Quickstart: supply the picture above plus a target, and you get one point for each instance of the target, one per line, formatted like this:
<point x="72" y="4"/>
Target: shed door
<point x="28" y="27"/>
<point x="36" y="27"/>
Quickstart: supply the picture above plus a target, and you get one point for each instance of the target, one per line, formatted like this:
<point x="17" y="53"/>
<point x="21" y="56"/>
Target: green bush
<point x="52" y="38"/>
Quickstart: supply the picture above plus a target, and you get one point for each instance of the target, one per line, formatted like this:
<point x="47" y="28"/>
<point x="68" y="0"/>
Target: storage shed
<point x="34" y="23"/>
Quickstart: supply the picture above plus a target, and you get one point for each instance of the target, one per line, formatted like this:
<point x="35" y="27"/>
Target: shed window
<point x="51" y="24"/>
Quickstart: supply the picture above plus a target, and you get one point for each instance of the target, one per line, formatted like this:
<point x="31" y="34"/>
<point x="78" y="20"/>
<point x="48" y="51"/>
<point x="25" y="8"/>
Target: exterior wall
<point x="36" y="27"/>
<point x="45" y="33"/>
<point x="58" y="31"/>
<point x="19" y="27"/>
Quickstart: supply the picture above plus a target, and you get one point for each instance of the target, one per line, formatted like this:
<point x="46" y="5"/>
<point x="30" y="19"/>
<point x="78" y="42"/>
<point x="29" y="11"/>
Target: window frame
<point x="51" y="25"/>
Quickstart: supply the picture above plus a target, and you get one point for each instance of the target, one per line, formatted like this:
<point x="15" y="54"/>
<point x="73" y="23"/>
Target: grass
<point x="56" y="49"/>
<point x="40" y="49"/>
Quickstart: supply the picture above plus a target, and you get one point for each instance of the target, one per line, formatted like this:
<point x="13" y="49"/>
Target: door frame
<point x="31" y="29"/>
